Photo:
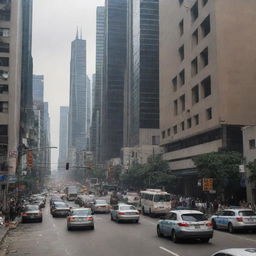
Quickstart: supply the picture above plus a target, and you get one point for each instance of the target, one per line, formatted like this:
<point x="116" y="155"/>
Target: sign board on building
<point x="207" y="184"/>
<point x="13" y="154"/>
<point x="29" y="159"/>
<point x="12" y="178"/>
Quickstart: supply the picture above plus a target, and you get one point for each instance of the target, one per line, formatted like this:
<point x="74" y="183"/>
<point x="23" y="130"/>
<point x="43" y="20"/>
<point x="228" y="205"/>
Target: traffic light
<point x="67" y="166"/>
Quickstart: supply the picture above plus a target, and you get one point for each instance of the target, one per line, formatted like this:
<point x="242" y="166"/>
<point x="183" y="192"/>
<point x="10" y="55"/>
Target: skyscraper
<point x="141" y="108"/>
<point x="38" y="88"/>
<point x="88" y="111"/>
<point x="63" y="138"/>
<point x="97" y="102"/>
<point x="114" y="71"/>
<point x="77" y="100"/>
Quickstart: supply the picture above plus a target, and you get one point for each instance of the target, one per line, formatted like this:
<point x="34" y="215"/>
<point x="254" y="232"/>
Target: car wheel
<point x="41" y="220"/>
<point x="92" y="228"/>
<point x="117" y="220"/>
<point x="136" y="221"/>
<point x="174" y="237"/>
<point x="205" y="240"/>
<point x="214" y="226"/>
<point x="159" y="233"/>
<point x="230" y="228"/>
<point x="68" y="228"/>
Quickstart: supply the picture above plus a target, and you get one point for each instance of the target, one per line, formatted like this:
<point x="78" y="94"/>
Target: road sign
<point x="241" y="168"/>
<point x="207" y="184"/>
<point x="29" y="159"/>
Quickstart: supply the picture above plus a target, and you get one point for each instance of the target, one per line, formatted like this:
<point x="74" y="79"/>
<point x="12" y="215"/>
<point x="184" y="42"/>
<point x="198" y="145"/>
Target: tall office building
<point x="141" y="108"/>
<point x="63" y="138"/>
<point x="46" y="143"/>
<point x="114" y="72"/>
<point x="77" y="100"/>
<point x="207" y="80"/>
<point x="38" y="88"/>
<point x="88" y="111"/>
<point x="97" y="96"/>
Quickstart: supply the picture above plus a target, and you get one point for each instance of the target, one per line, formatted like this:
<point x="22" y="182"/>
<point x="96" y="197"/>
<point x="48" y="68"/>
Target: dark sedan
<point x="32" y="213"/>
<point x="60" y="209"/>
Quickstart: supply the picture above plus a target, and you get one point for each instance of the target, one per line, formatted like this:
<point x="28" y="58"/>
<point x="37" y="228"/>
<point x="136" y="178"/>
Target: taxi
<point x="185" y="224"/>
<point x="235" y="219"/>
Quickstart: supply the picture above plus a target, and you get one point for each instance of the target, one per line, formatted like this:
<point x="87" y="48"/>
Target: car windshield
<point x="101" y="202"/>
<point x="162" y="198"/>
<point x="84" y="212"/>
<point x="246" y="213"/>
<point x="127" y="208"/>
<point x="61" y="206"/>
<point x="31" y="208"/>
<point x="195" y="217"/>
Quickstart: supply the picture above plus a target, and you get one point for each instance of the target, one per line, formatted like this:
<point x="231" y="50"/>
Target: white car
<point x="236" y="252"/>
<point x="235" y="219"/>
<point x="185" y="224"/>
<point x="100" y="206"/>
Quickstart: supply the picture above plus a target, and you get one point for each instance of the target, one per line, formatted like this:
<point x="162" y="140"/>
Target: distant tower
<point x="77" y="98"/>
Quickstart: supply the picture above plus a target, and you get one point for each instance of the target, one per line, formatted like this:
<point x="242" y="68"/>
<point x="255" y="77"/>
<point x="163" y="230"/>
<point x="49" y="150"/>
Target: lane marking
<point x="173" y="253"/>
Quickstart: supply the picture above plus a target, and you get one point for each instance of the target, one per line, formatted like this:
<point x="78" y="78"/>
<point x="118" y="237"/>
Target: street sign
<point x="241" y="168"/>
<point x="207" y="184"/>
<point x="13" y="154"/>
<point x="12" y="178"/>
<point x="29" y="159"/>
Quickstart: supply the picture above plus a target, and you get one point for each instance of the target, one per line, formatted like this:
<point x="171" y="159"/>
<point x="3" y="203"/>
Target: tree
<point x="223" y="167"/>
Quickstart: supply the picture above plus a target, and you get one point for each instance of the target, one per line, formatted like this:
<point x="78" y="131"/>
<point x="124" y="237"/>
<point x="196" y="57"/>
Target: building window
<point x="182" y="126"/>
<point x="252" y="144"/>
<point x="4" y="75"/>
<point x="181" y="53"/>
<point x="189" y="123"/>
<point x="175" y="129"/>
<point x="209" y="113"/>
<point x="175" y="107"/>
<point x="3" y="107"/>
<point x="3" y="88"/>
<point x="181" y="27"/>
<point x="204" y="57"/>
<point x="206" y="26"/>
<point x="169" y="132"/>
<point x="4" y="130"/>
<point x="195" y="94"/>
<point x="195" y="38"/>
<point x="182" y="77"/>
<point x="183" y="102"/>
<point x="206" y="87"/>
<point x="155" y="140"/>
<point x="174" y="84"/>
<point x="163" y="134"/>
<point x="4" y="32"/>
<point x="194" y="11"/>
<point x="196" y="119"/>
<point x="4" y="61"/>
<point x="4" y="47"/>
<point x="194" y="67"/>
<point x="204" y="2"/>
<point x="181" y="2"/>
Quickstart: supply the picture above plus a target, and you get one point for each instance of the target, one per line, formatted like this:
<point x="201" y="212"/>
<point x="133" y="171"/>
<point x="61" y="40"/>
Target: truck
<point x="71" y="193"/>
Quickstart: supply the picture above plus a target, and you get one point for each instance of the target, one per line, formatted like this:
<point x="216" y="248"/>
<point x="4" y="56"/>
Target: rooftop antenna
<point x="77" y="32"/>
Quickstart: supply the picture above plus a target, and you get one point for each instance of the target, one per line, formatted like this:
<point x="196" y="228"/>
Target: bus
<point x="155" y="202"/>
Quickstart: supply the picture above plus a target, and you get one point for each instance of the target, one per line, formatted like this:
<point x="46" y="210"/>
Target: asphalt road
<point x="51" y="238"/>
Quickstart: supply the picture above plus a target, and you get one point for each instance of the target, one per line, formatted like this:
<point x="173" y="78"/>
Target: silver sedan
<point x="125" y="212"/>
<point x="80" y="218"/>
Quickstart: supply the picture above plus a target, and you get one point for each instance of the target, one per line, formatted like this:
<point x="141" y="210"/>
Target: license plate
<point x="197" y="226"/>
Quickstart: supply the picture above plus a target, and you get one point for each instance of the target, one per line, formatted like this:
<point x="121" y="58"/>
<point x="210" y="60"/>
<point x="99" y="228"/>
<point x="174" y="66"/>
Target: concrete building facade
<point x="207" y="78"/>
<point x="63" y="138"/>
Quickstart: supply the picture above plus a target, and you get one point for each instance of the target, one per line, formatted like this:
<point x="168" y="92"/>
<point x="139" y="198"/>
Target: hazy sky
<point x="54" y="27"/>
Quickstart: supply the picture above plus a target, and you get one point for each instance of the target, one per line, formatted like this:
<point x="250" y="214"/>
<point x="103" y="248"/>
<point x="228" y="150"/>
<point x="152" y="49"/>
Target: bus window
<point x="162" y="198"/>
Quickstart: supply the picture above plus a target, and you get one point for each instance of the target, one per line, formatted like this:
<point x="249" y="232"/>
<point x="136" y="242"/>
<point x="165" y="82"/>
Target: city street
<point x="109" y="238"/>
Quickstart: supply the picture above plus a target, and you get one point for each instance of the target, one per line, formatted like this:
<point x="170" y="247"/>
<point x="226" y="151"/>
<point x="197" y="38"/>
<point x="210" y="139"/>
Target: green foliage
<point x="154" y="174"/>
<point x="222" y="167"/>
<point x="252" y="168"/>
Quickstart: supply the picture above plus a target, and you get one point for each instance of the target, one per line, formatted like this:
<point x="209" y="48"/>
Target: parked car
<point x="184" y="224"/>
<point x="124" y="212"/>
<point x="236" y="252"/>
<point x="100" y="206"/>
<point x="32" y="213"/>
<point x="80" y="218"/>
<point x="234" y="219"/>
<point x="60" y="209"/>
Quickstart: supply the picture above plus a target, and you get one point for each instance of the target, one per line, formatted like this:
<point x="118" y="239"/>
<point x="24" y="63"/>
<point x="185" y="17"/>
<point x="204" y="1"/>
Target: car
<point x="234" y="219"/>
<point x="100" y="205"/>
<point x="32" y="213"/>
<point x="132" y="198"/>
<point x="60" y="209"/>
<point x="88" y="201"/>
<point x="80" y="218"/>
<point x="55" y="198"/>
<point x="124" y="212"/>
<point x="236" y="252"/>
<point x="185" y="224"/>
